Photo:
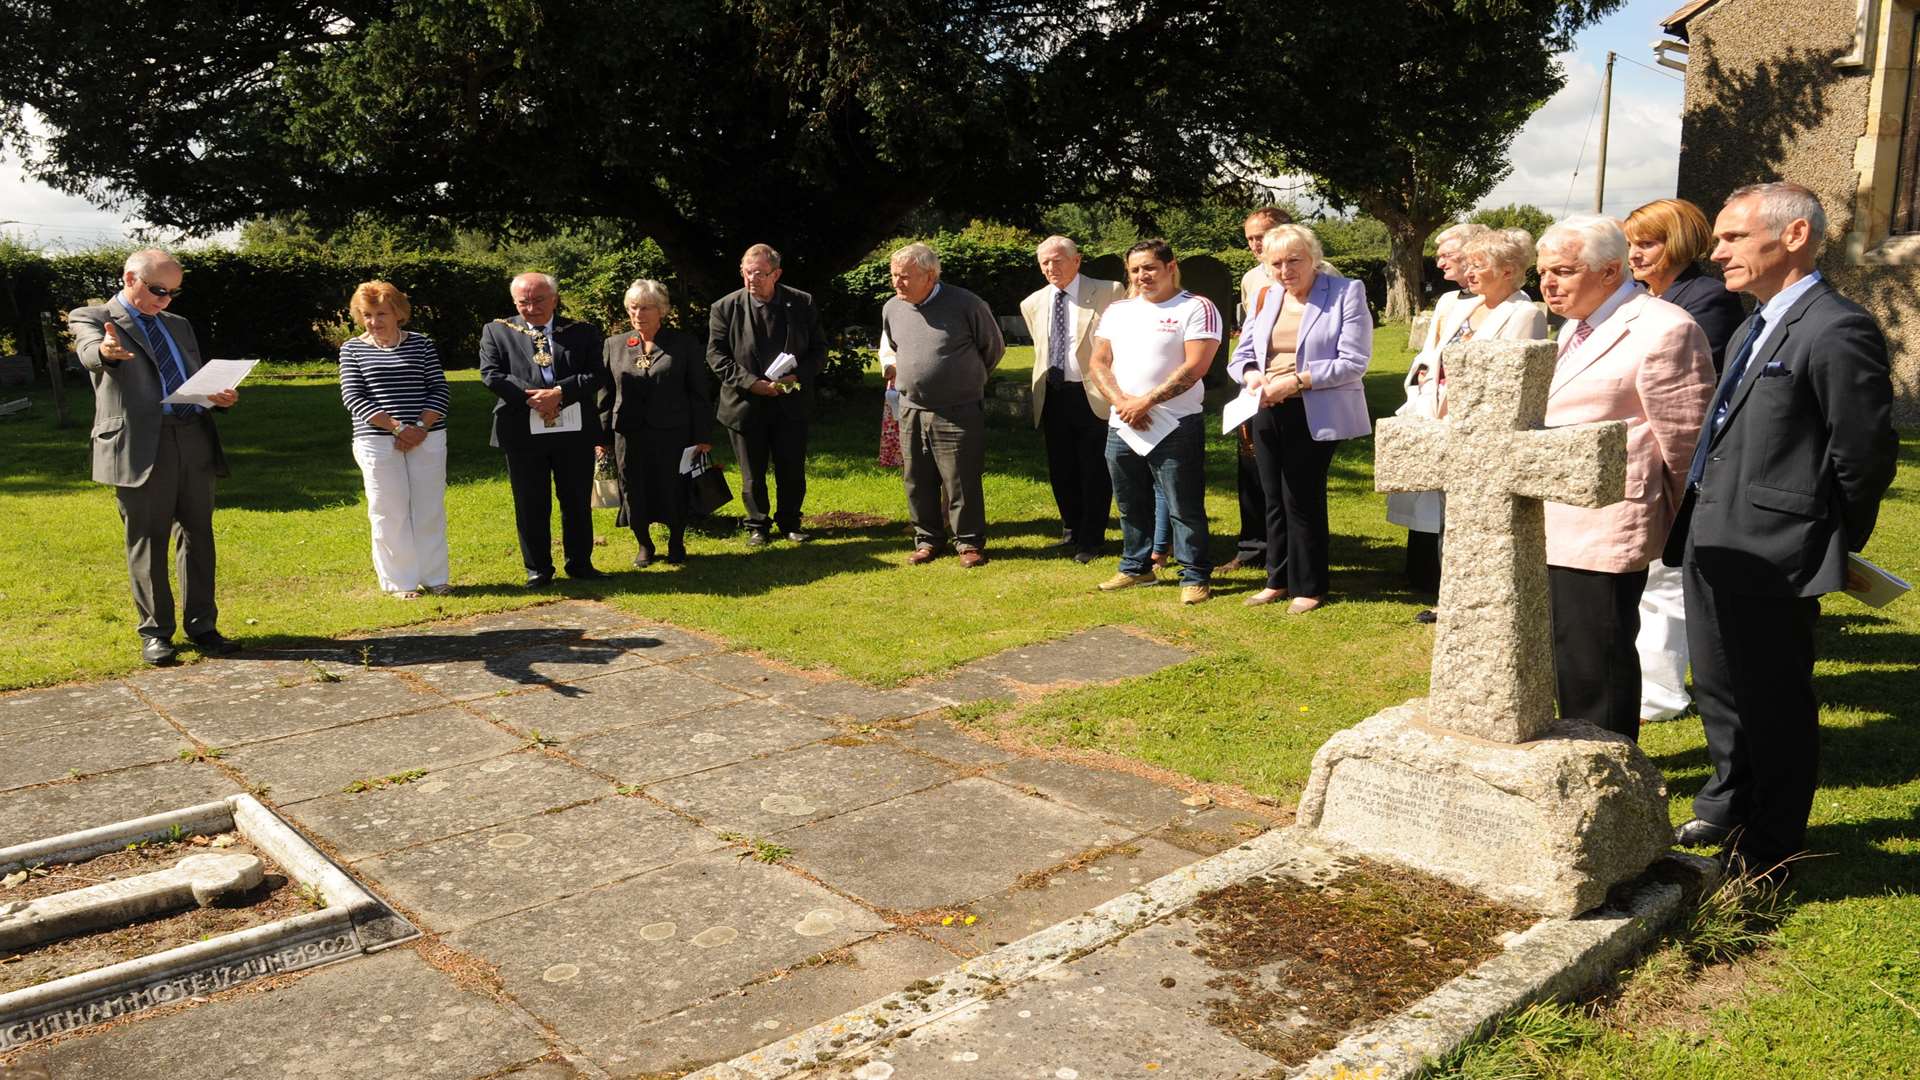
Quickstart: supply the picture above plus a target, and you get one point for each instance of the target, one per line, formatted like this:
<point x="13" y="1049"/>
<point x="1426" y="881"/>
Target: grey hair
<point x="647" y="290"/>
<point x="1460" y="233"/>
<point x="1057" y="242"/>
<point x="1502" y="247"/>
<point x="762" y="251"/>
<point x="1782" y="203"/>
<point x="919" y="255"/>
<point x="149" y="260"/>
<point x="535" y="275"/>
<point x="1601" y="240"/>
<point x="1291" y="237"/>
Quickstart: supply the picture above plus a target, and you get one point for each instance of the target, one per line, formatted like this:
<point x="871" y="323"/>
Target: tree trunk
<point x="1405" y="264"/>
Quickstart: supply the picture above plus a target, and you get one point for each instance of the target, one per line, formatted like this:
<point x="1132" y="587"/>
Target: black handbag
<point x="707" y="488"/>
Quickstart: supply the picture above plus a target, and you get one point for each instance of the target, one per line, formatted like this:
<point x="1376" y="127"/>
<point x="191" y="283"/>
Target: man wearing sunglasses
<point x="160" y="459"/>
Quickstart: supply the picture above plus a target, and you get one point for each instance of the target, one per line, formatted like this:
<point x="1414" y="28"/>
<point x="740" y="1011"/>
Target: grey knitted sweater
<point x="945" y="346"/>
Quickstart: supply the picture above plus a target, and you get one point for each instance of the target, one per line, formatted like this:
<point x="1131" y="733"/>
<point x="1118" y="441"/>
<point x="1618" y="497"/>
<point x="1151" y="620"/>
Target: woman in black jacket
<point x="655" y="405"/>
<point x="1667" y="240"/>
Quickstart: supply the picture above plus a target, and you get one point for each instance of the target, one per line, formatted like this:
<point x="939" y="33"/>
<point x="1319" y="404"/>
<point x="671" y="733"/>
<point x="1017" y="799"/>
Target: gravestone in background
<point x="1479" y="783"/>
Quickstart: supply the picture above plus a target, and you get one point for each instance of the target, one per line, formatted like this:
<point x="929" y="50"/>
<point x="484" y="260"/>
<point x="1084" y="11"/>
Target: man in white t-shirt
<point x="1149" y="354"/>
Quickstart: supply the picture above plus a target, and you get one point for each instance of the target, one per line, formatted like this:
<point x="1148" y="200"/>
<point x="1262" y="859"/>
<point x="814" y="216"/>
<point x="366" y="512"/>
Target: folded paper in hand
<point x="687" y="457"/>
<point x="568" y="420"/>
<point x="213" y="377"/>
<point x="782" y="366"/>
<point x="1160" y="424"/>
<point x="1871" y="585"/>
<point x="1239" y="411"/>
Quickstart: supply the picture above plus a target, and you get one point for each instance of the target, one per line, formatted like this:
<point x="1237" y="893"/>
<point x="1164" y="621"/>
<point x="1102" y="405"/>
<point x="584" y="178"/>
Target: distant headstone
<point x="1479" y="783"/>
<point x="1109" y="267"/>
<point x="1204" y="275"/>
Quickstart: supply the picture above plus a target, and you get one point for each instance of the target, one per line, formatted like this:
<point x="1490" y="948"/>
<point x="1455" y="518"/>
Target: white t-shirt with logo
<point x="1149" y="343"/>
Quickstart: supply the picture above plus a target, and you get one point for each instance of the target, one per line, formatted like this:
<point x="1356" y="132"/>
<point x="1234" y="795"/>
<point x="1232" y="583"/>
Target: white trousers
<point x="1662" y="644"/>
<point x="407" y="505"/>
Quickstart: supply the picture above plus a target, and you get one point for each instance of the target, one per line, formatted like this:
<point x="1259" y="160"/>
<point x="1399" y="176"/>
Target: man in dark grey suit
<point x="1797" y="449"/>
<point x="547" y="373"/>
<point x="160" y="459"/>
<point x="766" y="419"/>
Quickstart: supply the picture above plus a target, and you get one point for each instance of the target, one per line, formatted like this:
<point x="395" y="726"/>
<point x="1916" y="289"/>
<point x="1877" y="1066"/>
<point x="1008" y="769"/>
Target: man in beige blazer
<point x="1070" y="413"/>
<point x="1624" y="355"/>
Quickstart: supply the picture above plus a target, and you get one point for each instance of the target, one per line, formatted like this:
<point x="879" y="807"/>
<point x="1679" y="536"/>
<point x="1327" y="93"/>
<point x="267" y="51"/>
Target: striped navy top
<point x="402" y="382"/>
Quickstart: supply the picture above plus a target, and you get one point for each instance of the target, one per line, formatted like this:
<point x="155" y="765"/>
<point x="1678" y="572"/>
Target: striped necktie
<point x="1059" y="339"/>
<point x="173" y="371"/>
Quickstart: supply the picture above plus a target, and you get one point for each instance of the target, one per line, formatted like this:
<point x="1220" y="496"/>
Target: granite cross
<point x="1492" y="674"/>
<point x="197" y="879"/>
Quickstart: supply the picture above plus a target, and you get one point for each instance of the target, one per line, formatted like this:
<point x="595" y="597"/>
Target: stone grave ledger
<point x="1478" y="783"/>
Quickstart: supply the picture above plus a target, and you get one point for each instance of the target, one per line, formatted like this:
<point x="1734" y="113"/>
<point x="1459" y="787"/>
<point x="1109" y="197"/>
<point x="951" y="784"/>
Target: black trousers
<point x="561" y="468"/>
<point x="1423" y="561"/>
<point x="1596" y="616"/>
<point x="1077" y="465"/>
<point x="1752" y="662"/>
<point x="778" y="437"/>
<point x="175" y="504"/>
<point x="1250" y="546"/>
<point x="1293" y="480"/>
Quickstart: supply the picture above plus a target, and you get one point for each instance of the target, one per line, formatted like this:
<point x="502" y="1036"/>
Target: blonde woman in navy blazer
<point x="1313" y="398"/>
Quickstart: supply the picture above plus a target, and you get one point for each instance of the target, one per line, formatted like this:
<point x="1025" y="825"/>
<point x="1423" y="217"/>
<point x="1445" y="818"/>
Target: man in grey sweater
<point x="943" y="344"/>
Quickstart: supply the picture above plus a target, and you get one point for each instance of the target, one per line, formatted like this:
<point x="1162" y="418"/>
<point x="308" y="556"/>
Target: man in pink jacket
<point x="1624" y="355"/>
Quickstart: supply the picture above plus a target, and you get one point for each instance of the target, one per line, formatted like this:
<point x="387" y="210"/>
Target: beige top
<point x="1285" y="341"/>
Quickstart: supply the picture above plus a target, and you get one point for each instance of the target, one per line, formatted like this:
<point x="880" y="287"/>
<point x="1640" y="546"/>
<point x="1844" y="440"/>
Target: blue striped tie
<point x="172" y="371"/>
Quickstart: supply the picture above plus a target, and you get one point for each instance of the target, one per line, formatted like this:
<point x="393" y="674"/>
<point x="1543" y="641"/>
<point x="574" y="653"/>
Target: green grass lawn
<point x="1264" y="690"/>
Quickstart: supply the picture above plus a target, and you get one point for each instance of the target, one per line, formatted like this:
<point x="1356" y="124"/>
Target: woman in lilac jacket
<point x="1303" y="352"/>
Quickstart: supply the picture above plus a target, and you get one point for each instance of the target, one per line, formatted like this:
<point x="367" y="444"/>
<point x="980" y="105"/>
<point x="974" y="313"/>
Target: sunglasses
<point x="161" y="291"/>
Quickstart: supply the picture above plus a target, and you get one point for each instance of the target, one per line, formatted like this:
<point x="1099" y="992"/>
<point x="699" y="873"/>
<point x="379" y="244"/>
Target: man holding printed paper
<point x="161" y="458"/>
<point x="547" y="373"/>
<point x="1149" y="354"/>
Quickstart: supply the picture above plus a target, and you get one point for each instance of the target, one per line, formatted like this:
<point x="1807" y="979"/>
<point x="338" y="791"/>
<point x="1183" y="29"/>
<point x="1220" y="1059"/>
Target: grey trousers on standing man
<point x="174" y="505"/>
<point x="946" y="448"/>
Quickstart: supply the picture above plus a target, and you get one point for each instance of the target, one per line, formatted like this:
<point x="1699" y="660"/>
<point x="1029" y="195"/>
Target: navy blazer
<point x="1713" y="307"/>
<point x="506" y="367"/>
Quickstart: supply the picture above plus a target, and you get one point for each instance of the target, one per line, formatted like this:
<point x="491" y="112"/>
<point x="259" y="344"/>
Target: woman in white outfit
<point x="392" y="385"/>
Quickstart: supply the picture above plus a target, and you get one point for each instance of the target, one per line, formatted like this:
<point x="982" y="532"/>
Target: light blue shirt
<point x="1775" y="309"/>
<point x="179" y="361"/>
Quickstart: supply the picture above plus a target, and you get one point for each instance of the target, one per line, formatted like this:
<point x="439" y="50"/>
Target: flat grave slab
<point x="610" y="702"/>
<point x="771" y="794"/>
<point x="578" y="659"/>
<point x="583" y="615"/>
<point x="456" y="800"/>
<point x="31" y="813"/>
<point x="468" y="678"/>
<point x="935" y="736"/>
<point x="698" y="741"/>
<point x="324" y="762"/>
<point x="228" y="677"/>
<point x="853" y="703"/>
<point x="598" y="966"/>
<point x="233" y="718"/>
<point x="660" y="644"/>
<point x="1103" y="654"/>
<point x="747" y="674"/>
<point x="454" y="883"/>
<point x="381" y="1017"/>
<point x="1132" y="801"/>
<point x="27" y="709"/>
<point x="943" y="847"/>
<point x="967" y="685"/>
<point x="62" y="748"/>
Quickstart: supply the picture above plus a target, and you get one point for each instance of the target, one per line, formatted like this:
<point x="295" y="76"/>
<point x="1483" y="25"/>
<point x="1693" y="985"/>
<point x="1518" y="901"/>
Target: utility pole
<point x="1606" y="112"/>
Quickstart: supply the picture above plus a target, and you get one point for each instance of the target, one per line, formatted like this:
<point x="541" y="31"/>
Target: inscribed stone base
<point x="1548" y="825"/>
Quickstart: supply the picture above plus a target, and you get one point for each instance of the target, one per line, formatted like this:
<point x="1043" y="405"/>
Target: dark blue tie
<point x="172" y="371"/>
<point x="1059" y="340"/>
<point x="1723" y="401"/>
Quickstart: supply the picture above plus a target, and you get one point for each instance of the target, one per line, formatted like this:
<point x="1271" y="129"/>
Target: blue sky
<point x="1642" y="155"/>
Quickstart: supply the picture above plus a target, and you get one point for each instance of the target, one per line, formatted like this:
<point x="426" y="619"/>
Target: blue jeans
<point x="1162" y="522"/>
<point x="1177" y="467"/>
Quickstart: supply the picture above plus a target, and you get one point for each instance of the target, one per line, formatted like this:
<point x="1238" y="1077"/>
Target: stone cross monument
<point x="1479" y="783"/>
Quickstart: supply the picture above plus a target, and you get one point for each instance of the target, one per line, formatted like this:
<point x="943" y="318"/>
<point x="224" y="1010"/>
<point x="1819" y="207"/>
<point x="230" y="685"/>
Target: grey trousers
<point x="176" y="503"/>
<point x="946" y="449"/>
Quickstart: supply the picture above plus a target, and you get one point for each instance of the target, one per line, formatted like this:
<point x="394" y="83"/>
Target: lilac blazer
<point x="1336" y="342"/>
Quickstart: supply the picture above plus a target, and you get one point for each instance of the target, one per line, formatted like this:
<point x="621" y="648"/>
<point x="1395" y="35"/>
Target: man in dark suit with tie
<point x="547" y="373"/>
<point x="766" y="419"/>
<point x="160" y="459"/>
<point x="1797" y="449"/>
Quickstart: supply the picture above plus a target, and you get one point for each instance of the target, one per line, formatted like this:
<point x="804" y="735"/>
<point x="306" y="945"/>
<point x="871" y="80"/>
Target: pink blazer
<point x="1649" y="365"/>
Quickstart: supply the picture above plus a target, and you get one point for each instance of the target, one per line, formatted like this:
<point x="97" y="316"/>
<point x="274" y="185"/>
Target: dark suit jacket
<point x="126" y="395"/>
<point x="506" y="367"/>
<point x="1718" y="311"/>
<point x="670" y="396"/>
<point x="1793" y="480"/>
<point x="733" y="351"/>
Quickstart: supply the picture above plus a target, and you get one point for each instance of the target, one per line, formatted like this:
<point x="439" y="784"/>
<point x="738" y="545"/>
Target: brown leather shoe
<point x="921" y="554"/>
<point x="971" y="558"/>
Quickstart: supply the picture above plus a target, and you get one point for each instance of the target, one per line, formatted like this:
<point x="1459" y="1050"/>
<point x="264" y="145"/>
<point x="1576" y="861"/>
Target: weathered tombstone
<point x="1478" y="783"/>
<point x="197" y="879"/>
<point x="1109" y="267"/>
<point x="1204" y="275"/>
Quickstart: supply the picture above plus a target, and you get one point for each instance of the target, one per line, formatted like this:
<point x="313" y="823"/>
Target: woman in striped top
<point x="392" y="385"/>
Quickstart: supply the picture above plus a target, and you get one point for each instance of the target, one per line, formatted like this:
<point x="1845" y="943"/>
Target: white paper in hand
<point x="1239" y="411"/>
<point x="1878" y="587"/>
<point x="1160" y="424"/>
<point x="568" y="420"/>
<point x="213" y="377"/>
<point x="687" y="457"/>
<point x="782" y="366"/>
<point x="893" y="404"/>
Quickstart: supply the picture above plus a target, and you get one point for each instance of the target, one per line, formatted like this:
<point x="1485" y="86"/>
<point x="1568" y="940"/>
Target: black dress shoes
<point x="540" y="580"/>
<point x="586" y="573"/>
<point x="1699" y="833"/>
<point x="1085" y="557"/>
<point x="1427" y="617"/>
<point x="798" y="537"/>
<point x="643" y="560"/>
<point x="157" y="651"/>
<point x="756" y="540"/>
<point x="215" y="643"/>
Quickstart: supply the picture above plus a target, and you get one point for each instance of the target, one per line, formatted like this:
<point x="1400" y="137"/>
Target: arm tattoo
<point x="1102" y="379"/>
<point x="1178" y="383"/>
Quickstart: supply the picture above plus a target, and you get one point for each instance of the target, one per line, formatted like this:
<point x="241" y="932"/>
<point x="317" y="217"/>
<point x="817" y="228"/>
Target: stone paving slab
<point x="253" y="715"/>
<point x="381" y="1017"/>
<point x="735" y="1023"/>
<point x="1136" y="803"/>
<point x="856" y="704"/>
<point x="169" y="688"/>
<point x="453" y="883"/>
<point x="598" y="966"/>
<point x="1102" y="654"/>
<point x="698" y="741"/>
<point x="966" y="686"/>
<point x="62" y="748"/>
<point x="583" y="615"/>
<point x="935" y="736"/>
<point x="498" y="638"/>
<point x="613" y="701"/>
<point x="446" y="803"/>
<point x="323" y="762"/>
<point x="660" y="644"/>
<point x="747" y="674"/>
<point x="30" y="709"/>
<point x="585" y="658"/>
<point x="469" y="678"/>
<point x="943" y="847"/>
<point x="771" y="794"/>
<point x="55" y="809"/>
